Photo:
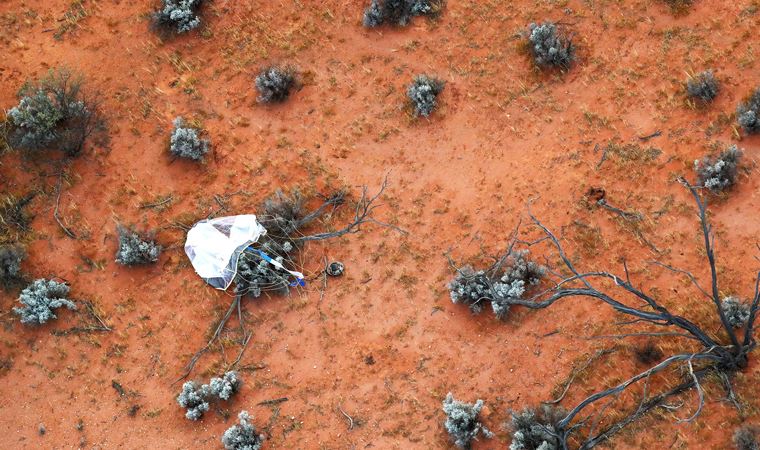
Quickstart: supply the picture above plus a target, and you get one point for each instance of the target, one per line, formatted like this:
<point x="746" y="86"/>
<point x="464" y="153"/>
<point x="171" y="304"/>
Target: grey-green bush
<point x="10" y="264"/>
<point x="462" y="421"/>
<point x="242" y="436"/>
<point x="719" y="173"/>
<point x="194" y="398"/>
<point x="475" y="288"/>
<point x="274" y="83"/>
<point x="736" y="311"/>
<point x="186" y="143"/>
<point x="534" y="430"/>
<point x="748" y="113"/>
<point x="703" y="86"/>
<point x="177" y="16"/>
<point x="53" y="114"/>
<point x="423" y="92"/>
<point x="225" y="387"/>
<point x="548" y="47"/>
<point x="135" y="249"/>
<point x="398" y="12"/>
<point x="40" y="298"/>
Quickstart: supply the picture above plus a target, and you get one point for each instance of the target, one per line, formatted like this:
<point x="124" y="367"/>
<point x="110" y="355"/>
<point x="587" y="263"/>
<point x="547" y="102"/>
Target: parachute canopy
<point x="215" y="245"/>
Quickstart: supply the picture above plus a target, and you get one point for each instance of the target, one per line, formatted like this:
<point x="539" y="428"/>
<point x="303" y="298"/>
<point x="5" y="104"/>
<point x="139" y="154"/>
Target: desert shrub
<point x="225" y="387"/>
<point x="10" y="264"/>
<point x="177" y="16"/>
<point x="242" y="436"/>
<point x="423" y="92"/>
<point x="194" y="398"/>
<point x="53" y="114"/>
<point x="135" y="249"/>
<point x="472" y="288"/>
<point x="745" y="438"/>
<point x="703" y="86"/>
<point x="748" y="113"/>
<point x="548" y="47"/>
<point x="185" y="142"/>
<point x="40" y="299"/>
<point x="535" y="430"/>
<point x="462" y="422"/>
<point x="736" y="311"/>
<point x="274" y="83"/>
<point x="719" y="173"/>
<point x="398" y="12"/>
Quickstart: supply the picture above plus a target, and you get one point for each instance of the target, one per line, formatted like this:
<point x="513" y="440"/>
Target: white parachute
<point x="215" y="245"/>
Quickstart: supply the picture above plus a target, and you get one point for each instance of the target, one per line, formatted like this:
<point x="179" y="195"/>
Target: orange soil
<point x="505" y="134"/>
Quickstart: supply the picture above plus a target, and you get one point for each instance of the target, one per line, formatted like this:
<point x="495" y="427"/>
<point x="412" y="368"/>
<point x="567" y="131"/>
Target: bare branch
<point x="700" y="393"/>
<point x="362" y="215"/>
<point x="708" y="239"/>
<point x="622" y="386"/>
<point x="214" y="337"/>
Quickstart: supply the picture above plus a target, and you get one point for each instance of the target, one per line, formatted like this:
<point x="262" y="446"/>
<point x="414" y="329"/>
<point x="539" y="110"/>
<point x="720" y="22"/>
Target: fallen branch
<point x="214" y="337"/>
<point x="275" y="401"/>
<point x="56" y="216"/>
<point x="349" y="418"/>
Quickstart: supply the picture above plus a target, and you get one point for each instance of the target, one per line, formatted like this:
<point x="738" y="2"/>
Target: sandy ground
<point x="384" y="344"/>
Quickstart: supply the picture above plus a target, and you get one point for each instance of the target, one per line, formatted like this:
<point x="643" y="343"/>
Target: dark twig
<point x="349" y="418"/>
<point x="275" y="401"/>
<point x="163" y="202"/>
<point x="58" y="189"/>
<point x="214" y="337"/>
<point x="631" y="216"/>
<point x="650" y="136"/>
<point x="578" y="371"/>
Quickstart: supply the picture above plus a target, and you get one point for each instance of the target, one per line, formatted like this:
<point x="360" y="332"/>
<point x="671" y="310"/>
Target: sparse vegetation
<point x="40" y="298"/>
<point x="398" y="12"/>
<point x="702" y="86"/>
<point x="536" y="430"/>
<point x="10" y="264"/>
<point x="736" y="311"/>
<point x="186" y="143"/>
<point x="549" y="48"/>
<point x="462" y="421"/>
<point x="505" y="281"/>
<point x="719" y="173"/>
<point x="275" y="83"/>
<point x="14" y="219"/>
<point x="242" y="436"/>
<point x="135" y="249"/>
<point x="722" y="355"/>
<point x="679" y="7"/>
<point x="54" y="113"/>
<point x="745" y="438"/>
<point x="748" y="113"/>
<point x="423" y="93"/>
<point x="177" y="16"/>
